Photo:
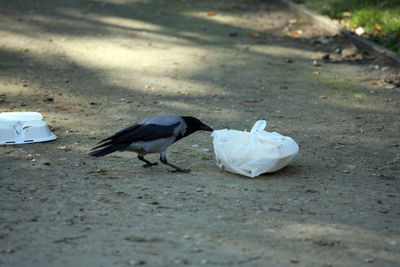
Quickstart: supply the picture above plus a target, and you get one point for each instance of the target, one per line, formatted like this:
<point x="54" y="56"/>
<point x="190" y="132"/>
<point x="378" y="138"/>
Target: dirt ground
<point x="93" y="67"/>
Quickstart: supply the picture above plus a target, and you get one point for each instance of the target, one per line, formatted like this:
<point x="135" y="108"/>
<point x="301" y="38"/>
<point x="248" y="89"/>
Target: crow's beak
<point x="206" y="128"/>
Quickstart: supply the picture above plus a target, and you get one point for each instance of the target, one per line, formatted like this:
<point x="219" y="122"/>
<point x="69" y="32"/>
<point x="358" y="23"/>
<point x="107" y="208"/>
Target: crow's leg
<point x="163" y="159"/>
<point x="148" y="163"/>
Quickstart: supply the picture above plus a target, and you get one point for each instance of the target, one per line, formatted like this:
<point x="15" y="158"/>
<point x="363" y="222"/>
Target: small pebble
<point x="351" y="167"/>
<point x="390" y="86"/>
<point x="269" y="230"/>
<point x="233" y="33"/>
<point x="350" y="51"/>
<point x="358" y="57"/>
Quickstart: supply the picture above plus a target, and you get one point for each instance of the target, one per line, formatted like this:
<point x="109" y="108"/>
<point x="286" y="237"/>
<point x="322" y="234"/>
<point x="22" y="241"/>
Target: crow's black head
<point x="194" y="124"/>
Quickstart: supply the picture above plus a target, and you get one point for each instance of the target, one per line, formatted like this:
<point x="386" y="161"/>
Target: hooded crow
<point x="152" y="135"/>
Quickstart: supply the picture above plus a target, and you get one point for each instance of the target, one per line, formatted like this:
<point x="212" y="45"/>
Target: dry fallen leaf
<point x="63" y="108"/>
<point x="210" y="14"/>
<point x="316" y="63"/>
<point x="254" y="35"/>
<point x="375" y="83"/>
<point x="297" y="32"/>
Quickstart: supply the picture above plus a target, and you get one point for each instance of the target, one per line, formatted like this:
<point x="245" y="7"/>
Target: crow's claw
<point x="180" y="170"/>
<point x="151" y="164"/>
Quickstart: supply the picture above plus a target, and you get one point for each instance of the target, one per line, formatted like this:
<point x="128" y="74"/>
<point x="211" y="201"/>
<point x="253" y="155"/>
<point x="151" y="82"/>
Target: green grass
<point x="379" y="18"/>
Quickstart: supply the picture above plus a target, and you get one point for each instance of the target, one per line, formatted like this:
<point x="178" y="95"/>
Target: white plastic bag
<point x="253" y="153"/>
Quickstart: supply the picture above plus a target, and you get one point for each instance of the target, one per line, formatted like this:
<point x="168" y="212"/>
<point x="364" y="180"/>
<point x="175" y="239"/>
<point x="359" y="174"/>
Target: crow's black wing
<point x="147" y="132"/>
<point x="119" y="133"/>
<point x="135" y="133"/>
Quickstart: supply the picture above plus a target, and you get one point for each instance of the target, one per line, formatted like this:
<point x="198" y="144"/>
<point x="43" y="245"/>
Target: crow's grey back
<point x="163" y="120"/>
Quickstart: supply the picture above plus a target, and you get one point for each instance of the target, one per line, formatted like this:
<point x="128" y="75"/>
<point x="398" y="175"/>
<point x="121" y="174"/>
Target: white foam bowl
<point x="23" y="127"/>
<point x="20" y="116"/>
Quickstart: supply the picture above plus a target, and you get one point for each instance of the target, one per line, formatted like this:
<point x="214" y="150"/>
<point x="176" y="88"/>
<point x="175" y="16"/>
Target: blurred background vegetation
<point x="378" y="20"/>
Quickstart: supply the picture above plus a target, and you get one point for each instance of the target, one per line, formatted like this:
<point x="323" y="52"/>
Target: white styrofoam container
<point x="23" y="127"/>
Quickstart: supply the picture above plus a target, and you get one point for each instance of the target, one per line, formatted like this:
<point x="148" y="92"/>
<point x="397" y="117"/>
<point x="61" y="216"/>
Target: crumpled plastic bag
<point x="255" y="152"/>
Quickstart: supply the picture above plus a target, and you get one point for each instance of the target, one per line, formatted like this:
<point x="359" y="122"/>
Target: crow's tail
<point x="108" y="150"/>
